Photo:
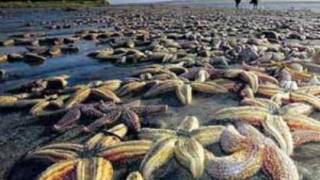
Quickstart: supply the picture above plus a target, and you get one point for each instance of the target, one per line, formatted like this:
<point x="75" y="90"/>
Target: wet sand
<point x="20" y="132"/>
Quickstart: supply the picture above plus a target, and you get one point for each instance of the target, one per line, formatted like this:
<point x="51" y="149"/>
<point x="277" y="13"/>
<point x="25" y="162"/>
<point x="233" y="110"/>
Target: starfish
<point x="276" y="163"/>
<point x="275" y="120"/>
<point x="42" y="86"/>
<point x="103" y="90"/>
<point x="109" y="113"/>
<point x="251" y="77"/>
<point x="244" y="161"/>
<point x="53" y="101"/>
<point x="92" y="160"/>
<point x="295" y="68"/>
<point x="305" y="94"/>
<point x="171" y="69"/>
<point x="185" y="143"/>
<point x="183" y="89"/>
<point x="119" y="56"/>
<point x="301" y="137"/>
<point x="200" y="74"/>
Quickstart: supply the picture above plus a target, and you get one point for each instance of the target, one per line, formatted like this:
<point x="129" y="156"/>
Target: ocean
<point x="278" y="5"/>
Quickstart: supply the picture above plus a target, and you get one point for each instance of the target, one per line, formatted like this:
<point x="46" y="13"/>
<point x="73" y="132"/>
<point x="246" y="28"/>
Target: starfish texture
<point x="184" y="143"/>
<point x="252" y="151"/>
<point x="306" y="94"/>
<point x="184" y="88"/>
<point x="171" y="69"/>
<point x="246" y="157"/>
<point x="276" y="163"/>
<point x="93" y="160"/>
<point x="109" y="113"/>
<point x="276" y="121"/>
<point x="103" y="90"/>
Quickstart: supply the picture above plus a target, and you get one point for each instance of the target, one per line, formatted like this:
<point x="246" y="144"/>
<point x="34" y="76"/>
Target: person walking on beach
<point x="237" y="3"/>
<point x="255" y="3"/>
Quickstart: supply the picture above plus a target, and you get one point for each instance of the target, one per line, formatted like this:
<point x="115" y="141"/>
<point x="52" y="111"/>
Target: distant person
<point x="255" y="3"/>
<point x="237" y="3"/>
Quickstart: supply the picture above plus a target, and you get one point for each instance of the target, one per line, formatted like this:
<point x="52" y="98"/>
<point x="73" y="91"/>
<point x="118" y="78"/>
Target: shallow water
<point x="276" y="5"/>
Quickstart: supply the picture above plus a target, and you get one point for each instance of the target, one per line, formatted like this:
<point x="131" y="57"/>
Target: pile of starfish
<point x="260" y="134"/>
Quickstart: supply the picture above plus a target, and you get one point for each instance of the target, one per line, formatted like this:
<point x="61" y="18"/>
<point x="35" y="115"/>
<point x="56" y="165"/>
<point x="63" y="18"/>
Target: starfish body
<point x="276" y="121"/>
<point x="245" y="159"/>
<point x="184" y="88"/>
<point x="276" y="163"/>
<point x="306" y="94"/>
<point x="103" y="91"/>
<point x="93" y="160"/>
<point x="109" y="113"/>
<point x="185" y="144"/>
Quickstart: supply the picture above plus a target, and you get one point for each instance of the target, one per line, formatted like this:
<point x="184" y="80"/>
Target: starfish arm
<point x="125" y="151"/>
<point x="8" y="101"/>
<point x="112" y="85"/>
<point x="189" y="123"/>
<point x="160" y="153"/>
<point x="135" y="103"/>
<point x="107" y="119"/>
<point x="208" y="87"/>
<point x="261" y="102"/>
<point x="208" y="134"/>
<point x="131" y="119"/>
<point x="79" y="96"/>
<point x="201" y="76"/>
<point x="247" y="92"/>
<point x="155" y="134"/>
<point x="162" y="88"/>
<point x="301" y="137"/>
<point x="240" y="165"/>
<point x="39" y="107"/>
<point x="304" y="97"/>
<point x="300" y="122"/>
<point x="150" y="109"/>
<point x="190" y="74"/>
<point x="297" y="108"/>
<point x="276" y="163"/>
<point x="250" y="114"/>
<point x="314" y="90"/>
<point x="184" y="94"/>
<point x="57" y="152"/>
<point x="251" y="79"/>
<point x="131" y="87"/>
<point x="268" y="90"/>
<point x="68" y="120"/>
<point x="136" y="175"/>
<point x="276" y="127"/>
<point x="190" y="153"/>
<point x="107" y="137"/>
<point x="91" y="111"/>
<point x="232" y="141"/>
<point x="226" y="83"/>
<point x="94" y="169"/>
<point x="152" y="70"/>
<point x="105" y="94"/>
<point x="266" y="78"/>
<point x="59" y="170"/>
